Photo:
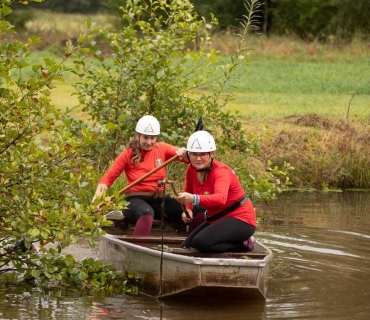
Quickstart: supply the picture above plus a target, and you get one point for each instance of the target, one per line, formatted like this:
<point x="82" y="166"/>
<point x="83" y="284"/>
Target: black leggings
<point x="140" y="206"/>
<point x="225" y="235"/>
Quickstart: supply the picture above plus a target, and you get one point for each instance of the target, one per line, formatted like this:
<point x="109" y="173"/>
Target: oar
<point x="172" y="184"/>
<point x="141" y="178"/>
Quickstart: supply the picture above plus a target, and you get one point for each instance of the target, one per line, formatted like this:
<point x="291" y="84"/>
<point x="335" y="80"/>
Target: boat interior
<point x="168" y="236"/>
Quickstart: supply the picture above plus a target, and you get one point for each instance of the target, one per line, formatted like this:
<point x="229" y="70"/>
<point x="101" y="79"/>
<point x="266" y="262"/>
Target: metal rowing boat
<point x="166" y="271"/>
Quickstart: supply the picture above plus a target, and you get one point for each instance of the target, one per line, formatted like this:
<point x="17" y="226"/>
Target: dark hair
<point x="135" y="145"/>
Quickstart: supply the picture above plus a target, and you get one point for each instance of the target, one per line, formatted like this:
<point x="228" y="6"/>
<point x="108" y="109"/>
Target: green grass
<point x="274" y="89"/>
<point x="278" y="105"/>
<point x="284" y="76"/>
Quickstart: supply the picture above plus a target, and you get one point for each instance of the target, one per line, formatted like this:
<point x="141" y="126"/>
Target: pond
<point x="320" y="270"/>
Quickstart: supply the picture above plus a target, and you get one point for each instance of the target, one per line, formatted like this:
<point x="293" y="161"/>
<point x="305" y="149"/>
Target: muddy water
<point x="320" y="270"/>
<point x="321" y="265"/>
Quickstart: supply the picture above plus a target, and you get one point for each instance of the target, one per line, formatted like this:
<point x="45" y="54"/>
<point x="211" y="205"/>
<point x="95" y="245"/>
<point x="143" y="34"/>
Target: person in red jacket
<point x="212" y="185"/>
<point x="143" y="154"/>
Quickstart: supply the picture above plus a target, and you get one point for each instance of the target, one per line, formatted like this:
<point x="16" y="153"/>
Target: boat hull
<point x="178" y="274"/>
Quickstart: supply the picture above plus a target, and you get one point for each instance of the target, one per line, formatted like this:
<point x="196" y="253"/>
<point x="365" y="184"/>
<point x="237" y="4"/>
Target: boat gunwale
<point x="235" y="262"/>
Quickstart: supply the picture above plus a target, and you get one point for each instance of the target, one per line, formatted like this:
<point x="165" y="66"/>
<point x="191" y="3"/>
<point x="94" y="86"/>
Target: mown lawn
<point x="275" y="89"/>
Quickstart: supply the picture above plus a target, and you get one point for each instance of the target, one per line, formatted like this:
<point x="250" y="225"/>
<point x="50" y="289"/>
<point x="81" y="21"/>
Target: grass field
<point x="284" y="76"/>
<point x="275" y="89"/>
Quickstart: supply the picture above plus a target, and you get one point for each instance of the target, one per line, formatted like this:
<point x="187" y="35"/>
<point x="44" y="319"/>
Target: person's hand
<point x="100" y="190"/>
<point x="185" y="218"/>
<point x="185" y="198"/>
<point x="181" y="153"/>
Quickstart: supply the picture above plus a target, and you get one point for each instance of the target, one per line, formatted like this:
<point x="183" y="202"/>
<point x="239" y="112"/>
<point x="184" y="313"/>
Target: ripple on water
<point x="317" y="274"/>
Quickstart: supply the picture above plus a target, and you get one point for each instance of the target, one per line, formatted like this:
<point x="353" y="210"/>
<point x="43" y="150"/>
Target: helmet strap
<point x="206" y="169"/>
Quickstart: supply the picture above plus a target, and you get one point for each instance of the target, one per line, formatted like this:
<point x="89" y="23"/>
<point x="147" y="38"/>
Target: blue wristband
<point x="196" y="199"/>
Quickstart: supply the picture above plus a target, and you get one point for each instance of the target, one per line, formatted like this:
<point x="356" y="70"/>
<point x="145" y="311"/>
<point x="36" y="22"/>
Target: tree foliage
<point x="351" y="19"/>
<point x="227" y="12"/>
<point x="307" y="19"/>
<point x="44" y="171"/>
<point x="323" y="20"/>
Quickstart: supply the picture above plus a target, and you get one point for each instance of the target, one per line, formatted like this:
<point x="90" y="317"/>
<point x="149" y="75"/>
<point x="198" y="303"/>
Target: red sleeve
<point x="117" y="167"/>
<point x="170" y="151"/>
<point x="160" y="153"/>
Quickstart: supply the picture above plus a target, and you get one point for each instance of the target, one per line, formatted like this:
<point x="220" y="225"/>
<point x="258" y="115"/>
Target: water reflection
<point x="320" y="270"/>
<point x="174" y="310"/>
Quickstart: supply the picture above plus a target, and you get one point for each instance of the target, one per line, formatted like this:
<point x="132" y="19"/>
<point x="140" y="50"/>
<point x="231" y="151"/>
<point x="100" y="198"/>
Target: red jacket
<point x="220" y="190"/>
<point x="153" y="158"/>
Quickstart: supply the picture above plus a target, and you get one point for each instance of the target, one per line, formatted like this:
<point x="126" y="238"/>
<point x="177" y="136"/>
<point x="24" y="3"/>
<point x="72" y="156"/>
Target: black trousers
<point x="225" y="235"/>
<point x="142" y="205"/>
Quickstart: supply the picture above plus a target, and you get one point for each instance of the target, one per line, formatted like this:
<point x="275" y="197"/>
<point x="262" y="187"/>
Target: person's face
<point x="147" y="142"/>
<point x="200" y="160"/>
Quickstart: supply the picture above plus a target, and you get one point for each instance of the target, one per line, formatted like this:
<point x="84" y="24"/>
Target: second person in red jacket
<point x="214" y="187"/>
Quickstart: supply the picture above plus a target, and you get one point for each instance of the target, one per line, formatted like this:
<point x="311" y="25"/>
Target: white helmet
<point x="201" y="141"/>
<point x="148" y="125"/>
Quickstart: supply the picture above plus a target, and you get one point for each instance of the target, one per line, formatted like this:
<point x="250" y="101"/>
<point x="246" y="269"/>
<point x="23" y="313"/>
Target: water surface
<point x="320" y="270"/>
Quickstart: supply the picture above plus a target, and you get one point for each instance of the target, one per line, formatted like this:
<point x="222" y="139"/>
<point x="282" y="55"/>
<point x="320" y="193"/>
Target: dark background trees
<point x="306" y="19"/>
<point x="320" y="20"/>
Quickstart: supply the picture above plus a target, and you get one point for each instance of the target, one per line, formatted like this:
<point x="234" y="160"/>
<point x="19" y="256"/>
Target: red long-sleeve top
<point x="220" y="191"/>
<point x="153" y="158"/>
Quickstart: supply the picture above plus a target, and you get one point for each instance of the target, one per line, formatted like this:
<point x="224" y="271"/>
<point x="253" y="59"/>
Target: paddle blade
<point x="200" y="124"/>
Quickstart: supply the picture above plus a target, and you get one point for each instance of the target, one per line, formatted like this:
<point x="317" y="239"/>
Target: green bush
<point x="44" y="171"/>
